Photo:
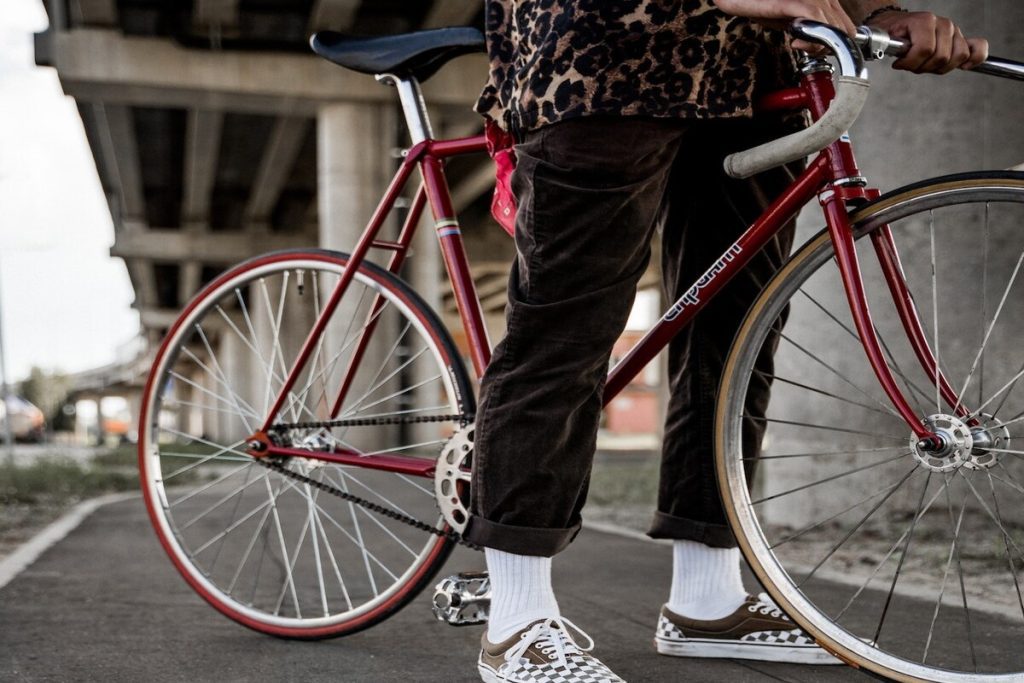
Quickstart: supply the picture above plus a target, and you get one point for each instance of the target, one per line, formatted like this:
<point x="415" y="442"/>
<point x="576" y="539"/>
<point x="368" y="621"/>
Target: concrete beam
<point x="219" y="246"/>
<point x="451" y="13"/>
<point x="218" y="14"/>
<point x="93" y="12"/>
<point x="275" y="167"/>
<point x="143" y="278"/>
<point x="334" y="15"/>
<point x="202" y="144"/>
<point x="105" y="66"/>
<point x="120" y="154"/>
<point x="189" y="279"/>
<point x="152" y="317"/>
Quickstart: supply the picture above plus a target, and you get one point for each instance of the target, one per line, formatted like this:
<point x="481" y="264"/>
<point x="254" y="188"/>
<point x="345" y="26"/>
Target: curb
<point x="29" y="551"/>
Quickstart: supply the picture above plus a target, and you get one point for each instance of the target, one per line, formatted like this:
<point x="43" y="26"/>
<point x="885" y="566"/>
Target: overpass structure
<point x="218" y="135"/>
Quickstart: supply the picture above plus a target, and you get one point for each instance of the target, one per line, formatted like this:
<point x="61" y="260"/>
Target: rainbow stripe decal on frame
<point x="446" y="227"/>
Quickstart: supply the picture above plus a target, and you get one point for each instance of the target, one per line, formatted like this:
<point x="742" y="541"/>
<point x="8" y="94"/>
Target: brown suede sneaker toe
<point x="756" y="630"/>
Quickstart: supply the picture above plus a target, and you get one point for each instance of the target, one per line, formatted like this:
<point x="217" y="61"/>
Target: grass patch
<point x="627" y="481"/>
<point x="60" y="480"/>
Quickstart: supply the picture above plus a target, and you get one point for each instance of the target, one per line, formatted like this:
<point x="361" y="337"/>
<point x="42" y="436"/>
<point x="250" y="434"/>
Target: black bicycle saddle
<point x="419" y="54"/>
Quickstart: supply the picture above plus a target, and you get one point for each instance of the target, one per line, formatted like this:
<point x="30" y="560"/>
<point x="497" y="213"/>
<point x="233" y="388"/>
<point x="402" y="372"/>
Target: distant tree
<point x="47" y="390"/>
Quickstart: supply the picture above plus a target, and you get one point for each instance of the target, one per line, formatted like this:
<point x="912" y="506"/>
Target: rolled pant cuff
<point x="680" y="529"/>
<point x="521" y="540"/>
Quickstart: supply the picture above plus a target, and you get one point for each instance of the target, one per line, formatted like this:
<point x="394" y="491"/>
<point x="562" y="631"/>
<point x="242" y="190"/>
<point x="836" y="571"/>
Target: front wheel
<point x="905" y="563"/>
<point x="275" y="554"/>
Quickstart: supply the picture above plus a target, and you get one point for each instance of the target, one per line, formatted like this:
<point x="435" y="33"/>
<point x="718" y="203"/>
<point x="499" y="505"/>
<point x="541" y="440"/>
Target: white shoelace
<point x="766" y="606"/>
<point x="552" y="639"/>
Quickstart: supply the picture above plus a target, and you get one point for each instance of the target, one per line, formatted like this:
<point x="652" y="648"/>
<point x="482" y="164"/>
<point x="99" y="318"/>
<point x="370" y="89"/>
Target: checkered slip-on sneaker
<point x="757" y="630"/>
<point x="543" y="652"/>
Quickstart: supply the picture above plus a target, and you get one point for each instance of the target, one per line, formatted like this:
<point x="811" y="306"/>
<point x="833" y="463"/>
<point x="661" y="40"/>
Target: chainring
<point x="452" y="478"/>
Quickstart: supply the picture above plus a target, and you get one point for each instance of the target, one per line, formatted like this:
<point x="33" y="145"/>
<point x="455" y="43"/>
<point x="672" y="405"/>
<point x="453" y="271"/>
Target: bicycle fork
<point x="841" y="231"/>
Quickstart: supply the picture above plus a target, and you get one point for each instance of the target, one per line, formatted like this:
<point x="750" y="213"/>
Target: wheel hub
<point x="956" y="439"/>
<point x="990" y="438"/>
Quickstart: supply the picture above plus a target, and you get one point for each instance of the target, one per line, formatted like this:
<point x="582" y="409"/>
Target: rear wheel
<point x="906" y="563"/>
<point x="275" y="554"/>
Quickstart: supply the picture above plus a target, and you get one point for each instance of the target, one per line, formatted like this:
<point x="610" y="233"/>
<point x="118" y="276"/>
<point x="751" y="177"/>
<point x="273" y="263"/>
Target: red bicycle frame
<point x="833" y="177"/>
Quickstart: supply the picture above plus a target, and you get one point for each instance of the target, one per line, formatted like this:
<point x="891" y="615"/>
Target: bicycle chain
<point x="448" y="534"/>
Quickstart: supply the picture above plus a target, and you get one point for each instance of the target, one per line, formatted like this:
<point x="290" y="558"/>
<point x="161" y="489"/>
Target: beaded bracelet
<point x="881" y="10"/>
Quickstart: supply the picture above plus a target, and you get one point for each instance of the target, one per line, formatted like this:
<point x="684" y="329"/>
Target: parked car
<point x="27" y="421"/>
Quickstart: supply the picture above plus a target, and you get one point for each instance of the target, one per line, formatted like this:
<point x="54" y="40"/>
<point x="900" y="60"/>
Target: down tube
<point x="718" y="275"/>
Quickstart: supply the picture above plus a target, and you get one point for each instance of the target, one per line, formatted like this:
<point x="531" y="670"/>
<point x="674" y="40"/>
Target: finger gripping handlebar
<point x="851" y="95"/>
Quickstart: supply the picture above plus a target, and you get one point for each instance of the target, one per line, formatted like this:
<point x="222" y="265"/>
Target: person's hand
<point x="938" y="45"/>
<point x="779" y="14"/>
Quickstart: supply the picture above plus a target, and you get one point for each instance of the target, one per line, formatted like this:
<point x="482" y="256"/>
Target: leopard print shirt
<point x="552" y="60"/>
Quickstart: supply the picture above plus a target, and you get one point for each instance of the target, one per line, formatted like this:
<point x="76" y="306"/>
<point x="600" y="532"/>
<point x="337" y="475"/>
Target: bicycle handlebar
<point x="851" y="93"/>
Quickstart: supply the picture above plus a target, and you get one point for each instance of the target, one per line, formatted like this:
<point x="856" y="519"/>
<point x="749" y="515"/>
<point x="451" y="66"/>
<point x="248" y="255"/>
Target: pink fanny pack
<point x="500" y="147"/>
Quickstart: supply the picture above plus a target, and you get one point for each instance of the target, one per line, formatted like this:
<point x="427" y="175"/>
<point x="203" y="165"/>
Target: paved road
<point x="105" y="604"/>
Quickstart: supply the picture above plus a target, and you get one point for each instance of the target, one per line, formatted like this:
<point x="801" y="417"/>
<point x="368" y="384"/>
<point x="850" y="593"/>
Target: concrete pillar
<point x="100" y="434"/>
<point x="245" y="377"/>
<point x="913" y="127"/>
<point x="354" y="166"/>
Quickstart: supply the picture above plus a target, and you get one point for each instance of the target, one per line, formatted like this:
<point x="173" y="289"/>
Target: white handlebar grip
<point x="851" y="96"/>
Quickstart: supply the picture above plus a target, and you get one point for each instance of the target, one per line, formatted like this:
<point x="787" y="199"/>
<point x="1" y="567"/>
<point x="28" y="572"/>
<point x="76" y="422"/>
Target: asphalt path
<point x="105" y="604"/>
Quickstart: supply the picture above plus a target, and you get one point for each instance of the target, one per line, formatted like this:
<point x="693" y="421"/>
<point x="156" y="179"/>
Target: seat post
<point x="413" y="106"/>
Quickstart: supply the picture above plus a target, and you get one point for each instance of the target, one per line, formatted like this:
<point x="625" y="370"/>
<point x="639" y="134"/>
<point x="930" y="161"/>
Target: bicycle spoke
<point x="832" y="478"/>
<point x="945" y="579"/>
<point x="842" y="377"/>
<point x="1006" y="544"/>
<point x="821" y="392"/>
<point x="221" y="377"/>
<point x="995" y="520"/>
<point x="345" y="532"/>
<point x="239" y="489"/>
<point x="362" y="544"/>
<point x="903" y="557"/>
<point x="823" y="427"/>
<point x="1008" y="386"/>
<point x="892" y="549"/>
<point x="334" y="562"/>
<point x="373" y="518"/>
<point x="290" y="569"/>
<point x="842" y="512"/>
<point x="988" y="332"/>
<point x="892" y="359"/>
<point x="316" y="557"/>
<point x="255" y="536"/>
<point x="960" y="573"/>
<point x="397" y="393"/>
<point x="204" y="458"/>
<point x="854" y="530"/>
<point x="204" y="390"/>
<point x="881" y="449"/>
<point x="289" y="579"/>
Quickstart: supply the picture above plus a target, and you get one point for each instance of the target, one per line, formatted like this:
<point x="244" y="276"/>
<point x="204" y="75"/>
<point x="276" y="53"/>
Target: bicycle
<point x="304" y="395"/>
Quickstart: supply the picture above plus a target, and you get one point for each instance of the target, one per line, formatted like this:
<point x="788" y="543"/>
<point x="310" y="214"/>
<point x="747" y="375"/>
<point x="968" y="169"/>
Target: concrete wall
<point x="914" y="127"/>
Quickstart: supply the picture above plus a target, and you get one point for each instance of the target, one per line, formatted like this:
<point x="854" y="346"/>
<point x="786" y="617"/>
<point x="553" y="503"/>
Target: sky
<point x="64" y="302"/>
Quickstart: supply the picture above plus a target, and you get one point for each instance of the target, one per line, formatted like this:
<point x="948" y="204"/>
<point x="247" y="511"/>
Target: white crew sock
<point x="706" y="581"/>
<point x="521" y="593"/>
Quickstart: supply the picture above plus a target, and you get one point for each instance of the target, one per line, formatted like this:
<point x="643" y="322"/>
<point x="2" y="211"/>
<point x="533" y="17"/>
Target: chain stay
<point x="278" y="467"/>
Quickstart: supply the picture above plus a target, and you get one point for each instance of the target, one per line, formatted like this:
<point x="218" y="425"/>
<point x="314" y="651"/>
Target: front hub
<point x="955" y="444"/>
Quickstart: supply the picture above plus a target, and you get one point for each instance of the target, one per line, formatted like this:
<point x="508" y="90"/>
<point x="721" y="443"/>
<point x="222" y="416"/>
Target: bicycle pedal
<point x="462" y="599"/>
